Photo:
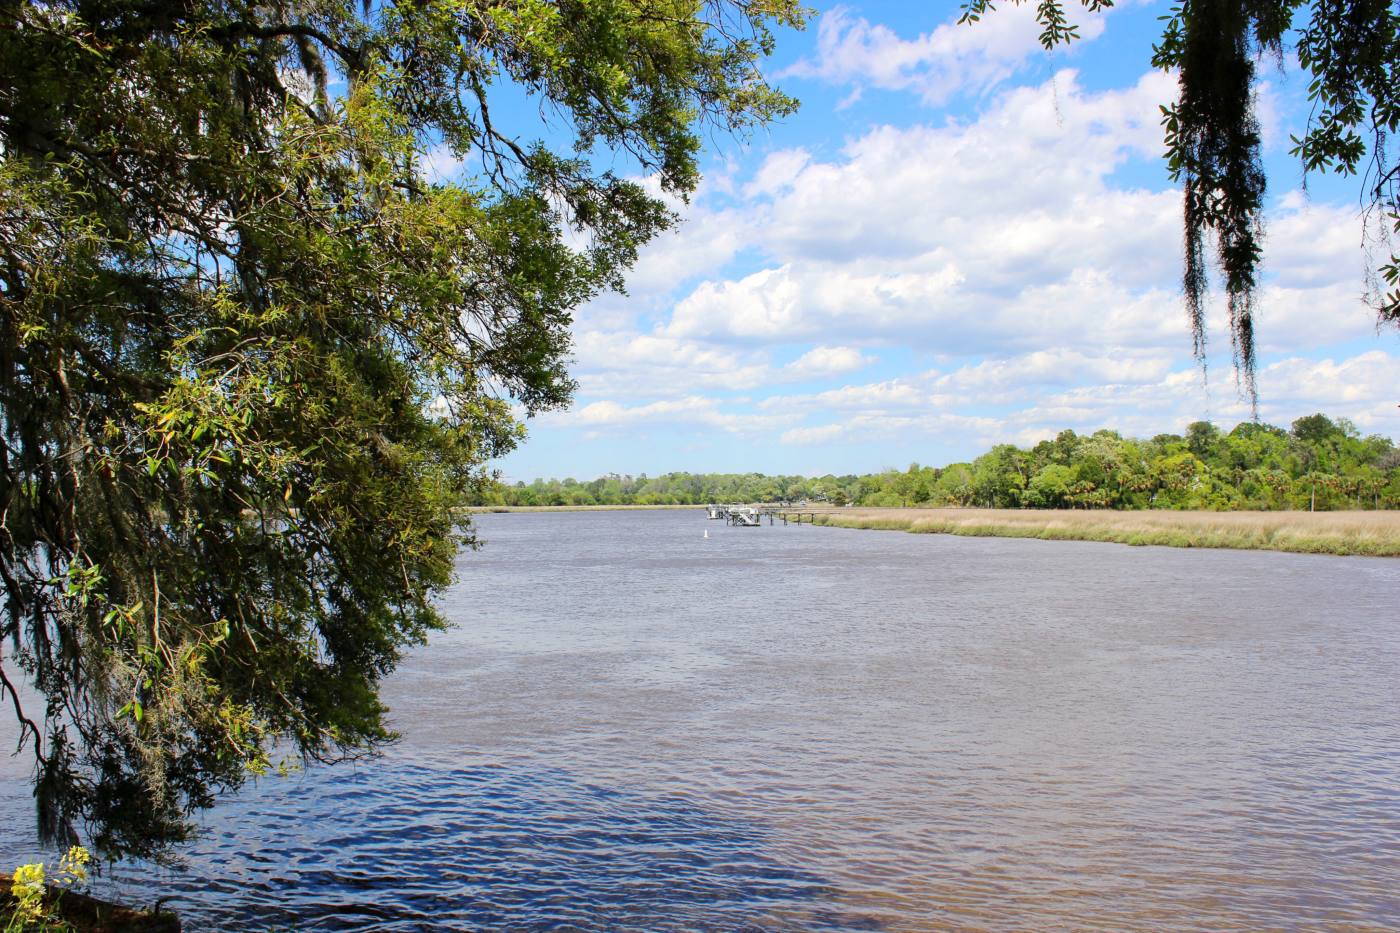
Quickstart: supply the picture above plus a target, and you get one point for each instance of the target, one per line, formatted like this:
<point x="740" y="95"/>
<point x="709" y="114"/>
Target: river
<point x="635" y="727"/>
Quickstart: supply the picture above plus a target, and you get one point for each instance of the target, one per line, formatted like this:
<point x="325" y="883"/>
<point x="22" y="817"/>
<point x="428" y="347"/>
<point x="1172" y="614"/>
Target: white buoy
<point x="707" y="532"/>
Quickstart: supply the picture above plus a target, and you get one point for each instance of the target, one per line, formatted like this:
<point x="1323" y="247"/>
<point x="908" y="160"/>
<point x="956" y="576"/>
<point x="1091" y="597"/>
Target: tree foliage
<point x="1318" y="463"/>
<point x="1350" y="53"/>
<point x="253" y="357"/>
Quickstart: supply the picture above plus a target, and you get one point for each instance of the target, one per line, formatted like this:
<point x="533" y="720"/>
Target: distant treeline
<point x="1321" y="462"/>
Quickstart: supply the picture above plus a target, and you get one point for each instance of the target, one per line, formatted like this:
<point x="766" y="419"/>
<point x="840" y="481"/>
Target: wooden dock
<point x="751" y="516"/>
<point x="742" y="516"/>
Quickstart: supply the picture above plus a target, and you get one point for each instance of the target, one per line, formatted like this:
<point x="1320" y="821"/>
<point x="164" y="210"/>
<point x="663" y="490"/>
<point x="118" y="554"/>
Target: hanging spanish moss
<point x="1349" y="51"/>
<point x="1213" y="146"/>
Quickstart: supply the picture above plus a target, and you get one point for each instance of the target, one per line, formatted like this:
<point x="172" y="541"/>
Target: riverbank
<point x="478" y="509"/>
<point x="77" y="912"/>
<point x="1373" y="534"/>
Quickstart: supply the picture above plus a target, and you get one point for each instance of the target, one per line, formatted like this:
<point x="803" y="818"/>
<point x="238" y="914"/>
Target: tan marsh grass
<point x="1375" y="534"/>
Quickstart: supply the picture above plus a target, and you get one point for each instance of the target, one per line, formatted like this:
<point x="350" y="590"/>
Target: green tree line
<point x="1318" y="463"/>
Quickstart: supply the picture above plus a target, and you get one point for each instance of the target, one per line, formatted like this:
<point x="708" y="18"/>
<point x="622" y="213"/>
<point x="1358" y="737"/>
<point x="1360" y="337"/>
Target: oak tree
<point x="254" y="353"/>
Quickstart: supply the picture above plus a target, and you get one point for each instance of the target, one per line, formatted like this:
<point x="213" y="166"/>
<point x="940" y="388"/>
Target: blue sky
<point x="959" y="240"/>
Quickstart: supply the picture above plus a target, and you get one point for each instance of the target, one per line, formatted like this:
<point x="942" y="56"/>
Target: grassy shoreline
<point x="1366" y="534"/>
<point x="1370" y="534"/>
<point x="479" y="509"/>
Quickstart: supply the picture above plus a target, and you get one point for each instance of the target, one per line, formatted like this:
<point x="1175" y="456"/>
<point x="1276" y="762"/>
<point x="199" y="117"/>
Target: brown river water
<point x="634" y="727"/>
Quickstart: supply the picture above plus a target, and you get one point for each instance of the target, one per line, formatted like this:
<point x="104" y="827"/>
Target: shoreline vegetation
<point x="1349" y="533"/>
<point x="1318" y="487"/>
<point x="1318" y="464"/>
<point x="478" y="509"/>
<point x="1354" y="533"/>
<point x="67" y="911"/>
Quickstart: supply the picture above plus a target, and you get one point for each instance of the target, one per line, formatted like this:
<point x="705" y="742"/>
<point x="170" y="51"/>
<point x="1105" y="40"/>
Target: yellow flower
<point x="28" y="891"/>
<point x="74" y="864"/>
<point x="29" y="876"/>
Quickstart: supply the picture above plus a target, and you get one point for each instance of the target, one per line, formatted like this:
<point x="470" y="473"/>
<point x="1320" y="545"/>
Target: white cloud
<point x="778" y="172"/>
<point x="924" y="232"/>
<point x="1361" y="387"/>
<point x="597" y="350"/>
<point x="1059" y="366"/>
<point x="874" y="397"/>
<point x="867" y="428"/>
<point x="438" y="164"/>
<point x="1313" y="244"/>
<point x="820" y="435"/>
<point x="987" y="281"/>
<point x="1139" y="397"/>
<point x="1012" y="381"/>
<point x="1005" y="236"/>
<point x="690" y="412"/>
<point x="824" y="362"/>
<point x="1363" y="382"/>
<point x="935" y="65"/>
<point x="631" y="364"/>
<point x="611" y="413"/>
<point x="806" y="300"/>
<point x="1030" y="174"/>
<point x="702" y="243"/>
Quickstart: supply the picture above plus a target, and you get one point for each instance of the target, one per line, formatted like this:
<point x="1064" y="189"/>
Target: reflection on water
<point x="802" y="728"/>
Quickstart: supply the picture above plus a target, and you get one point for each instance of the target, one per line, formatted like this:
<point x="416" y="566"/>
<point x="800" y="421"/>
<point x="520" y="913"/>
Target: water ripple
<point x="819" y="729"/>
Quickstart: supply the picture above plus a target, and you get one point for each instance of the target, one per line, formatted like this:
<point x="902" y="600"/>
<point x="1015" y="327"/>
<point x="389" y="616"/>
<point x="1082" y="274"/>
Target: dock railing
<point x="751" y="516"/>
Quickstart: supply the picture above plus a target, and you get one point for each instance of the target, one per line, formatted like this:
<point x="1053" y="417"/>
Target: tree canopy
<point x="1319" y="462"/>
<point x="254" y="355"/>
<point x="1350" y="52"/>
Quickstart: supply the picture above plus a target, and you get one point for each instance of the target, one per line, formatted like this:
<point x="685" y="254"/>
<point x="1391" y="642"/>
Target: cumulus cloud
<point x="779" y="170"/>
<point x="1369" y="381"/>
<point x="962" y="237"/>
<point x="1059" y="366"/>
<point x="628" y="363"/>
<point x="868" y="428"/>
<point x="611" y="413"/>
<point x="800" y="301"/>
<point x="935" y="65"/>
<point x="631" y="364"/>
<point x="990" y="280"/>
<point x="1012" y="381"/>
<point x="707" y="238"/>
<point x="1361" y="387"/>
<point x="1004" y="236"/>
<point x="824" y="362"/>
<point x="1038" y="398"/>
<point x="886" y="395"/>
<point x="819" y="435"/>
<point x="690" y="412"/>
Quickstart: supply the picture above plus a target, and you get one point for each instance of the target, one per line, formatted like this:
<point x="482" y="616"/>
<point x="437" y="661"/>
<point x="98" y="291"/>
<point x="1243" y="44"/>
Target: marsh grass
<point x="1375" y="534"/>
